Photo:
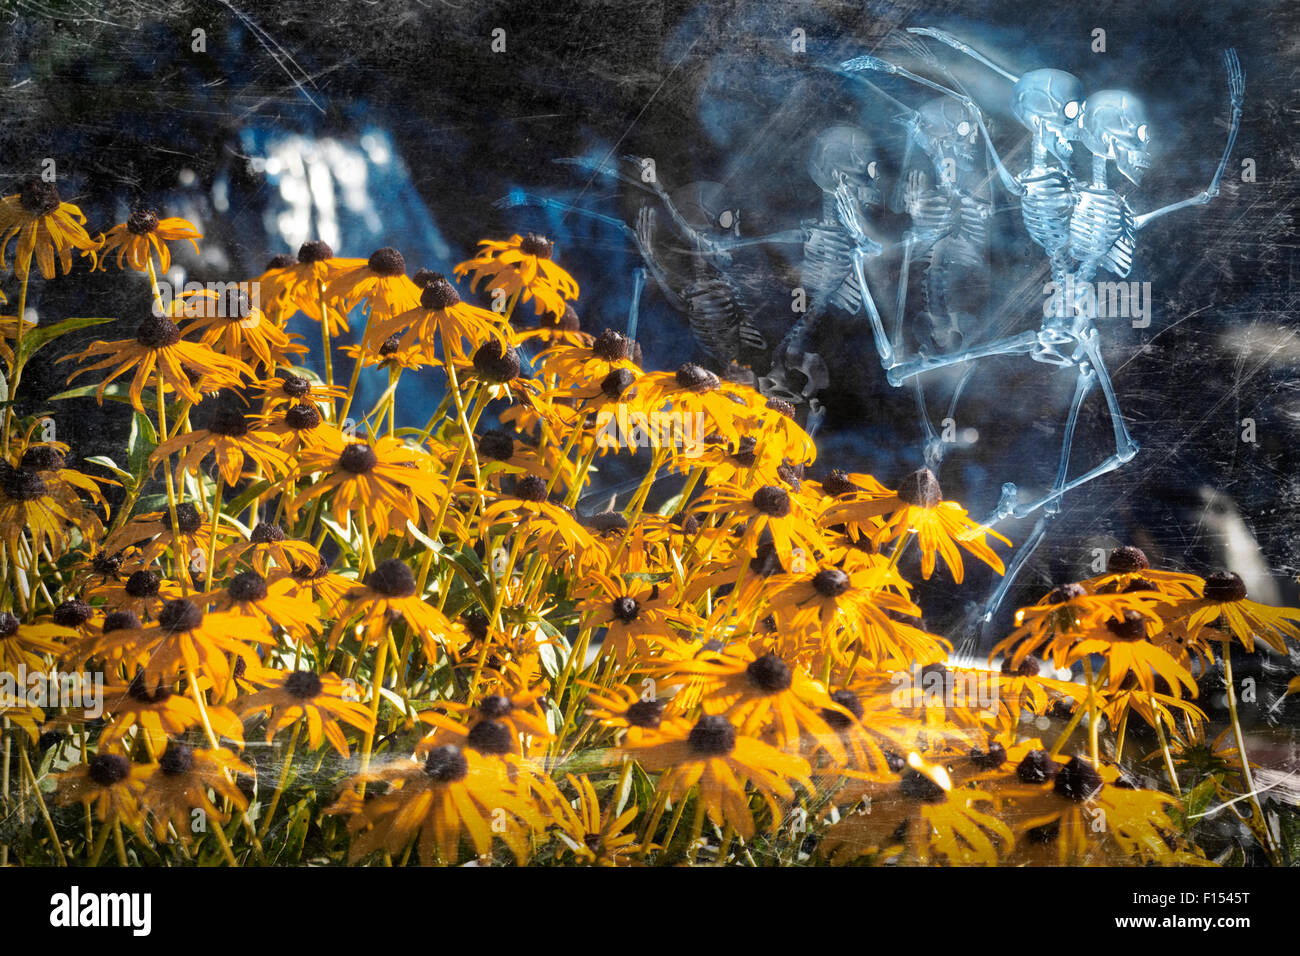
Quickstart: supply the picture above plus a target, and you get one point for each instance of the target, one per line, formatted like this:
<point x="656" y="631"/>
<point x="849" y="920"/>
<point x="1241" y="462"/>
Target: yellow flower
<point x="522" y="266"/>
<point x="143" y="233"/>
<point x="45" y="226"/>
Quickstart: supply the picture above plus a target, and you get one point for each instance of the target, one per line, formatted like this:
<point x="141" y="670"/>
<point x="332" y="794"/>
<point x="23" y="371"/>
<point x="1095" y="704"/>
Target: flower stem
<point x="1246" y="775"/>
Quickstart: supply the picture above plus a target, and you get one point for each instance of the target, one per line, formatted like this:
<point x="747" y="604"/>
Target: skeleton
<point x="1047" y="103"/>
<point x="1102" y="234"/>
<point x="946" y="198"/>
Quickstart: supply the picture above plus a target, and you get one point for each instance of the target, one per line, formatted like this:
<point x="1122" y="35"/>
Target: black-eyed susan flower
<point x="159" y="712"/>
<point x="233" y="323"/>
<point x="521" y="266"/>
<point x="387" y="595"/>
<point x="531" y="513"/>
<point x="454" y="794"/>
<point x="594" y="836"/>
<point x="373" y="480"/>
<point x="232" y="439"/>
<point x="277" y="603"/>
<point x="724" y="764"/>
<point x="940" y="526"/>
<point x="45" y="227"/>
<point x="159" y="350"/>
<point x="1223" y="600"/>
<point x="26" y="645"/>
<point x="144" y="234"/>
<point x="765" y="509"/>
<point x="299" y="285"/>
<point x="267" y="546"/>
<point x="321" y="701"/>
<point x="380" y="283"/>
<point x="180" y="783"/>
<point x="110" y="785"/>
<point x="185" y="640"/>
<point x="440" y="319"/>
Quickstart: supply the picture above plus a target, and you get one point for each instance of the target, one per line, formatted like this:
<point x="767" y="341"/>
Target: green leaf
<point x="105" y="462"/>
<point x="43" y="335"/>
<point x="255" y="490"/>
<point x="140" y="445"/>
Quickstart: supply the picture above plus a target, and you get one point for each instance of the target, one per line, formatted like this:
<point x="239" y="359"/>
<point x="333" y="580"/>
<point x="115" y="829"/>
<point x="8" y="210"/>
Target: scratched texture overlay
<point x="397" y="122"/>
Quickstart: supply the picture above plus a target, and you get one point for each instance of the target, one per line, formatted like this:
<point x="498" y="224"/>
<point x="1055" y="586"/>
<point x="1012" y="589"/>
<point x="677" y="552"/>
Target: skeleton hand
<point x="1236" y="79"/>
<point x="846" y="206"/>
<point x="645" y="230"/>
<point x="912" y="192"/>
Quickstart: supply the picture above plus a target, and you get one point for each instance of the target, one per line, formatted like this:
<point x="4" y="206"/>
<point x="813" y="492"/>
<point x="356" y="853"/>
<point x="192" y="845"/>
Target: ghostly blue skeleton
<point x="1083" y="227"/>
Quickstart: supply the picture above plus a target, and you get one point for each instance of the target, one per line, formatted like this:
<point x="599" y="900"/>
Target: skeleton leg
<point x="638" y="283"/>
<point x="1011" y="345"/>
<point x="1125" y="446"/>
<point x="1082" y="385"/>
<point x="883" y="346"/>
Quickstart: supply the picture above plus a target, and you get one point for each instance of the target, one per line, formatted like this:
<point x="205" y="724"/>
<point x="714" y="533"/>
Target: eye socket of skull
<point x="963" y="128"/>
<point x="1142" y="133"/>
<point x="1072" y="110"/>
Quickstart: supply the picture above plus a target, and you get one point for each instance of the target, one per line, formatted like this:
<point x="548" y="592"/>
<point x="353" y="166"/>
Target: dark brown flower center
<point x="358" y="459"/>
<point x="295" y="386"/>
<point x="645" y="713"/>
<point x="23" y="485"/>
<point x="920" y="489"/>
<point x="772" y="501"/>
<point x="1132" y="627"/>
<point x="143" y="584"/>
<point x="438" y="293"/>
<point x="538" y="246"/>
<point x="744" y="453"/>
<point x="849" y="701"/>
<point x="495" y="706"/>
<point x="157" y="332"/>
<point x="712" y="736"/>
<point x="696" y="379"/>
<point x="1126" y="560"/>
<point x="267" y="533"/>
<point x="608" y="521"/>
<point x="314" y="251"/>
<point x="188" y="519"/>
<point x="304" y="685"/>
<point x="392" y="579"/>
<point x="917" y="786"/>
<point x="248" y="586"/>
<point x="531" y="488"/>
<point x="282" y="261"/>
<point x="177" y="759"/>
<point x="446" y="764"/>
<point x="387" y="262"/>
<point x="610" y="346"/>
<point x="1224" y="587"/>
<point x="107" y="565"/>
<point x="141" y="222"/>
<point x="491" y="737"/>
<point x="781" y="407"/>
<point x="831" y="582"/>
<point x="180" y="615"/>
<point x="495" y="362"/>
<point x="566" y="321"/>
<point x="791" y="475"/>
<point x="42" y="458"/>
<point x="1036" y="767"/>
<point x="769" y="674"/>
<point x="302" y="417"/>
<point x="497" y="445"/>
<point x="617" y="382"/>
<point x="1065" y="592"/>
<point x="228" y="422"/>
<point x="1078" y="780"/>
<point x="109" y="769"/>
<point x="138" y="690"/>
<point x="9" y="624"/>
<point x="837" y="483"/>
<point x="72" y="613"/>
<point x="39" y="197"/>
<point x="625" y="608"/>
<point x="120" y="621"/>
<point x="989" y="759"/>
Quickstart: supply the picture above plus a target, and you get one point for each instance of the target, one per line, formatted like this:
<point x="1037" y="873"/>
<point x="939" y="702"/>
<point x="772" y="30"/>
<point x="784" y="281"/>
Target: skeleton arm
<point x="1237" y="91"/>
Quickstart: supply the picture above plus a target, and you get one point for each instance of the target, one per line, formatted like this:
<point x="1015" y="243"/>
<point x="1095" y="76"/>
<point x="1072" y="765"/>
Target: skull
<point x="1113" y="125"/>
<point x="708" y="209"/>
<point x="946" y="130"/>
<point x="845" y="155"/>
<point x="1048" y="103"/>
